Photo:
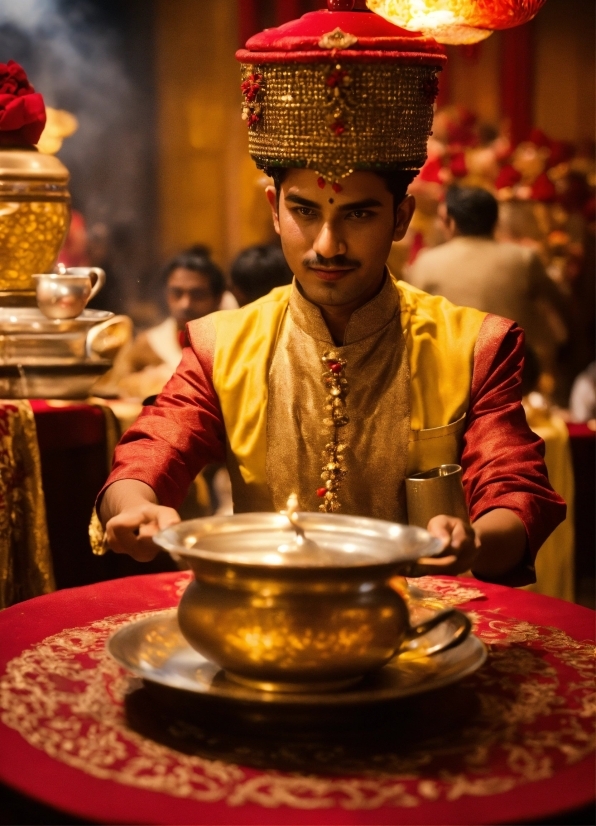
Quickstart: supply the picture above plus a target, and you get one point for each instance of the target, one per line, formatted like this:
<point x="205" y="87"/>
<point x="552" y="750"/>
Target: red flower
<point x="337" y="127"/>
<point x="430" y="171"/>
<point x="22" y="110"/>
<point x="251" y="87"/>
<point x="508" y="176"/>
<point x="458" y="165"/>
<point x="543" y="189"/>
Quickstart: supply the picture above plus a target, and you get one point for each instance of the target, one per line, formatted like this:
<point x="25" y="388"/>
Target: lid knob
<point x="340" y="5"/>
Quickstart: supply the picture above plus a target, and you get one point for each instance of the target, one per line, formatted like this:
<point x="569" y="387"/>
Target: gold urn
<point x="34" y="219"/>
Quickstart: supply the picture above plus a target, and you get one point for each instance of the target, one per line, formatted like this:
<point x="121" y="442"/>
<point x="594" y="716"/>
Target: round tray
<point x="50" y="381"/>
<point x="154" y="649"/>
<point x="30" y="320"/>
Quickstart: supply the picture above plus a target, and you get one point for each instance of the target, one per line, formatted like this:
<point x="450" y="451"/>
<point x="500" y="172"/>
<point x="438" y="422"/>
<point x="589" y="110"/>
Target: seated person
<point x="258" y="270"/>
<point x="194" y="287"/>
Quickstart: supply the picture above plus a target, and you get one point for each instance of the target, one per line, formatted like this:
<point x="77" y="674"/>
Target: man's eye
<point x="360" y="214"/>
<point x="305" y="212"/>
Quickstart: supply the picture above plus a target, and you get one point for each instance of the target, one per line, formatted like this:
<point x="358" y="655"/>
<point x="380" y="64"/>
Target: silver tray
<point x="30" y="320"/>
<point x="154" y="649"/>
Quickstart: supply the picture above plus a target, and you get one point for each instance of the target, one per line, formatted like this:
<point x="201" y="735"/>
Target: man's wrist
<point x="124" y="494"/>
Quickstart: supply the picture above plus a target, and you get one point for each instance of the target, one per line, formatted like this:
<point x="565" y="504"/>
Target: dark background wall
<point x="94" y="58"/>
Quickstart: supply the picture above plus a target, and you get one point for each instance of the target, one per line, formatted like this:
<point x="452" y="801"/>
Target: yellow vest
<point x="440" y="340"/>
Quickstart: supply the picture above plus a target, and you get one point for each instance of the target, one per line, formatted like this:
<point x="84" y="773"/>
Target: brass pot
<point x="34" y="219"/>
<point x="279" y="613"/>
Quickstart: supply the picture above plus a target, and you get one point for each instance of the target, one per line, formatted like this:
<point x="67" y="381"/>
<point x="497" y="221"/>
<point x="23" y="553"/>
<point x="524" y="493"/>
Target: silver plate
<point x="154" y="649"/>
<point x="30" y="320"/>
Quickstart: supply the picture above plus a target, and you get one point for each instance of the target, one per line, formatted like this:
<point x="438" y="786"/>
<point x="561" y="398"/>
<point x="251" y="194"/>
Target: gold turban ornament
<point x="339" y="90"/>
<point x="343" y="88"/>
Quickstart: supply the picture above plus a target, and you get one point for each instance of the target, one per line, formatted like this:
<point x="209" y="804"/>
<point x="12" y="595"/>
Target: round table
<point x="514" y="742"/>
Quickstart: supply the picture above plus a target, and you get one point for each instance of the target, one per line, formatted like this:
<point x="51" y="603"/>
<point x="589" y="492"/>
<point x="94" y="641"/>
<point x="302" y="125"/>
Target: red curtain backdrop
<point x="255" y="15"/>
<point x="288" y="10"/>
<point x="517" y="80"/>
<point x="249" y="19"/>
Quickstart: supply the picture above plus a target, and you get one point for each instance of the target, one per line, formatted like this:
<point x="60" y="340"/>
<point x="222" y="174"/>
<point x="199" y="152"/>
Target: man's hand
<point x="492" y="547"/>
<point x="131" y="530"/>
<point x="132" y="515"/>
<point x="461" y="547"/>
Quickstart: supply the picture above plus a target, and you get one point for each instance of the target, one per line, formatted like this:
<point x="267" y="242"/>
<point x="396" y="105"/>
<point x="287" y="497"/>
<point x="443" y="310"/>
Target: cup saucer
<point x="154" y="649"/>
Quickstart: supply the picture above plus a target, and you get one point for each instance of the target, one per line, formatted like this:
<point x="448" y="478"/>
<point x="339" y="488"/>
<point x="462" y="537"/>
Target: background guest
<point x="258" y="270"/>
<point x="582" y="402"/>
<point x="472" y="269"/>
<point x="194" y="286"/>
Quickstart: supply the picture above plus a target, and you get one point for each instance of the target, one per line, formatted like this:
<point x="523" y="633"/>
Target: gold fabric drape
<point x="25" y="559"/>
<point x="555" y="563"/>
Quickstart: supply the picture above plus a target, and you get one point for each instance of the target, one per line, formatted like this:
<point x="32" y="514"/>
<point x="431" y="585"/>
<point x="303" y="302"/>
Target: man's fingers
<point x="131" y="531"/>
<point x="167" y="517"/>
<point x="438" y="561"/>
<point x="441" y="527"/>
<point x="459" y="534"/>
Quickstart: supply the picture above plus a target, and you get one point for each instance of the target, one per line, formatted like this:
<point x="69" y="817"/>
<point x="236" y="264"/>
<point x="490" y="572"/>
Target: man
<point x="474" y="270"/>
<point x="258" y="270"/>
<point x="409" y="381"/>
<point x="194" y="287"/>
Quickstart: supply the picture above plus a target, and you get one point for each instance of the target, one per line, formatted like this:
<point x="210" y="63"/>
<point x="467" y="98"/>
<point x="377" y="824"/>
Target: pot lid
<point x="31" y="164"/>
<point x="265" y="541"/>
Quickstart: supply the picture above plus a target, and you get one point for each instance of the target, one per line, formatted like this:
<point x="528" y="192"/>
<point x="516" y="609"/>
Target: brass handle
<point x="120" y="332"/>
<point x="462" y="628"/>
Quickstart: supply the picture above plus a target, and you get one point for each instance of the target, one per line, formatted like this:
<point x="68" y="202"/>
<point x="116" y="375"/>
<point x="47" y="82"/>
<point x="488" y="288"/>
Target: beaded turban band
<point x="339" y="91"/>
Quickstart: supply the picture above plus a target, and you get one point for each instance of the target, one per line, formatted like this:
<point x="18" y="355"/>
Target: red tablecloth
<point x="519" y="744"/>
<point x="75" y="460"/>
<point x="582" y="440"/>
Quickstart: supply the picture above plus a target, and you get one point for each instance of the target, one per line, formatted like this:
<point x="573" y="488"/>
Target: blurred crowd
<point x="507" y="229"/>
<point x="545" y="193"/>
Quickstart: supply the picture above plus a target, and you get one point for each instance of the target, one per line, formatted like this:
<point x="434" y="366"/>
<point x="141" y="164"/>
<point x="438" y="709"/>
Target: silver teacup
<point x="65" y="294"/>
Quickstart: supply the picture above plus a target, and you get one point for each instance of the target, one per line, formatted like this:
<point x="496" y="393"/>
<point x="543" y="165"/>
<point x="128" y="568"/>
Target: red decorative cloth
<point x="519" y="747"/>
<point x="22" y="110"/>
<point x="375" y="39"/>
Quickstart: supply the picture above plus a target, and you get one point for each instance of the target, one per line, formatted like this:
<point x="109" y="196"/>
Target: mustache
<point x="339" y="262"/>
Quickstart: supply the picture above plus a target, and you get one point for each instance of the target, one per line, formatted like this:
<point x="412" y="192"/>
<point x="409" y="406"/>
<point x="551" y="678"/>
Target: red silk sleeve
<point x="502" y="459"/>
<point x="174" y="439"/>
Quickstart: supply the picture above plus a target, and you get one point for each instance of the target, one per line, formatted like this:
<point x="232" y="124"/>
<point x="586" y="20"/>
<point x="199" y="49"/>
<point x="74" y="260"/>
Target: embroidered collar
<point x="364" y="322"/>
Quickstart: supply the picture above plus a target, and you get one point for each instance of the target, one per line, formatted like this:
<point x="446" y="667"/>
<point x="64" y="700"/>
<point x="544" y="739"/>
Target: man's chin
<point x="320" y="291"/>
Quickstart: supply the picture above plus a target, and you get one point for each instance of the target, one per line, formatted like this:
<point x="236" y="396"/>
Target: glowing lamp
<point x="456" y="21"/>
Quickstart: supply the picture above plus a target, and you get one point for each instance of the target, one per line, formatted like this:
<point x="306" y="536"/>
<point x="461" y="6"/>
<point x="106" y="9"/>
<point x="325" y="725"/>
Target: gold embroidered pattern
<point x="334" y="469"/>
<point x="26" y="568"/>
<point x="536" y="715"/>
<point x="289" y="109"/>
<point x="337" y="40"/>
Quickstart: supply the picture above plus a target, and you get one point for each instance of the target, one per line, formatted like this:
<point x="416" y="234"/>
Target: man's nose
<point x="328" y="242"/>
<point x="184" y="302"/>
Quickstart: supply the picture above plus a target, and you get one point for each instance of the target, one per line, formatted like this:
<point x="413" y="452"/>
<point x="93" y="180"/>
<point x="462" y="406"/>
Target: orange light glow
<point x="456" y="21"/>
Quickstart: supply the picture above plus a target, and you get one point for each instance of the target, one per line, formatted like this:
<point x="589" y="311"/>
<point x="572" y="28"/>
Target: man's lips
<point x="331" y="275"/>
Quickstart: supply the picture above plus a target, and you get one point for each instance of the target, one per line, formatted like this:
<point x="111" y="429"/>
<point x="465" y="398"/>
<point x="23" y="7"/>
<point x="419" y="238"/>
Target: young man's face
<point x="189" y="296"/>
<point x="337" y="243"/>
